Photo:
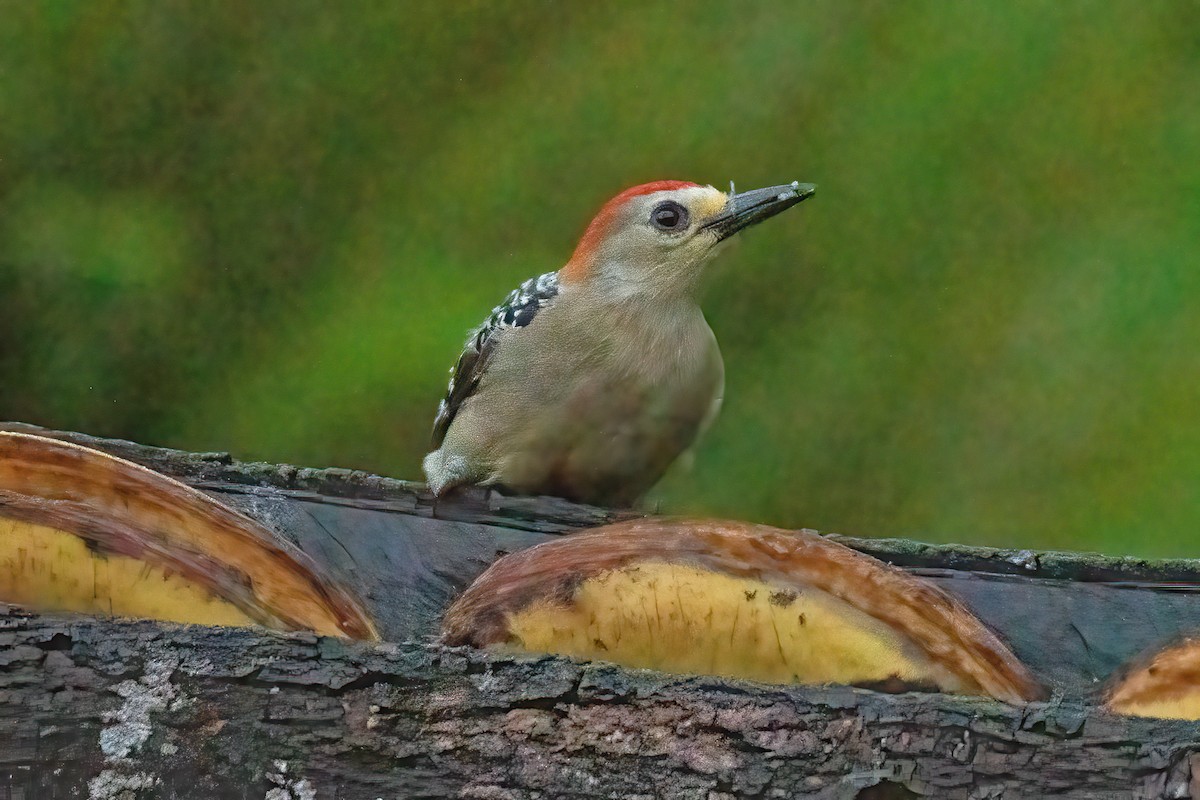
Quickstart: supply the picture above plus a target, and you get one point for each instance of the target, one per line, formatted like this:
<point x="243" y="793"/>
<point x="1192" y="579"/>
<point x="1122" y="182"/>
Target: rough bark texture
<point x="98" y="709"/>
<point x="108" y="709"/>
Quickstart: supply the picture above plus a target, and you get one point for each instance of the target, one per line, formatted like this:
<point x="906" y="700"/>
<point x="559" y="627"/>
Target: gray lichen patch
<point x="112" y="784"/>
<point x="130" y="724"/>
<point x="128" y="728"/>
<point x="288" y="788"/>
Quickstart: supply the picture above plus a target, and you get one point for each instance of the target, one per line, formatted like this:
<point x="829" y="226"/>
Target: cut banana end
<point x="1164" y="684"/>
<point x="84" y="531"/>
<point x="735" y="600"/>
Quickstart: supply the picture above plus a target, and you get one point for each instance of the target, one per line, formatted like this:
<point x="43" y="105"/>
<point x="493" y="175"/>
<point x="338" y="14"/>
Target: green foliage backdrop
<point x="266" y="227"/>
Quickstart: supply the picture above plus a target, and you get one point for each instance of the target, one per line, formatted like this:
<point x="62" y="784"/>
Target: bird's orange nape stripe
<point x="580" y="262"/>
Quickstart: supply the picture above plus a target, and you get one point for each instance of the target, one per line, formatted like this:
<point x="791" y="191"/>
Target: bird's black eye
<point x="669" y="216"/>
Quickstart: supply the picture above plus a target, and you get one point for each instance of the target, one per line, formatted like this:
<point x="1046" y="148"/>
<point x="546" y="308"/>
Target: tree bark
<point x="112" y="709"/>
<point x="108" y="709"/>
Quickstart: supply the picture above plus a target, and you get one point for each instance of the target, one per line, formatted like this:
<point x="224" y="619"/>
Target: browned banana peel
<point x="735" y="600"/>
<point x="83" y="531"/>
<point x="1164" y="684"/>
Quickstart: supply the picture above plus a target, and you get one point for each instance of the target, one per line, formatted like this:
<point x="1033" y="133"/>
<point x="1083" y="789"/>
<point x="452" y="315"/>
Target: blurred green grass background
<point x="266" y="227"/>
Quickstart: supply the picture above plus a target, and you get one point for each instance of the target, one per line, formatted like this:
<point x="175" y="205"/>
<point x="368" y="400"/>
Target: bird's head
<point x="654" y="238"/>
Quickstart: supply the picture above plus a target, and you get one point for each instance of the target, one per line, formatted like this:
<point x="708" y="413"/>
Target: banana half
<point x="1164" y="683"/>
<point x="84" y="531"/>
<point x="737" y="600"/>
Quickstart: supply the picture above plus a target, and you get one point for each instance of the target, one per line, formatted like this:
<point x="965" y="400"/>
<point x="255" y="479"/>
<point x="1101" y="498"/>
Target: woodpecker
<point x="588" y="382"/>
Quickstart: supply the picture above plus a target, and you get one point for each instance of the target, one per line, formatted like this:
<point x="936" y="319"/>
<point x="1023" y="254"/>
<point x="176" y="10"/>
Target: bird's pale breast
<point x="603" y="419"/>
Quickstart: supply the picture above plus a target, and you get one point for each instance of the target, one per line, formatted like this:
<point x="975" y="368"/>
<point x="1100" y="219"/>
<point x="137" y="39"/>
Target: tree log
<point x="119" y="709"/>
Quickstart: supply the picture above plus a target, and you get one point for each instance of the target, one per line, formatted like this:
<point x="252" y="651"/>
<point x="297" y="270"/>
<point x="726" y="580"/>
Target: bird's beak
<point x="749" y="208"/>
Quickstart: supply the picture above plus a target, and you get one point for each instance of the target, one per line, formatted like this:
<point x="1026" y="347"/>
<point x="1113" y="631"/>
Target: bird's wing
<point x="517" y="311"/>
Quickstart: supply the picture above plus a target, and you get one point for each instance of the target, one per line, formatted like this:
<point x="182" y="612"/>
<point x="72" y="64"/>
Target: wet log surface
<point x="96" y="708"/>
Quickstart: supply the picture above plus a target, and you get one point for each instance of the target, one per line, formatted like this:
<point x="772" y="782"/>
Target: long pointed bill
<point x="749" y="208"/>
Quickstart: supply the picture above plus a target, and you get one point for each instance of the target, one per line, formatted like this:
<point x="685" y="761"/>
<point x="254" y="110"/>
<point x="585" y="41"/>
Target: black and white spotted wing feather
<point x="517" y="311"/>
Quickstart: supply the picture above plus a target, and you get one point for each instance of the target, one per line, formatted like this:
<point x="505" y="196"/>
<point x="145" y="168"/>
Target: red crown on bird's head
<point x="580" y="261"/>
